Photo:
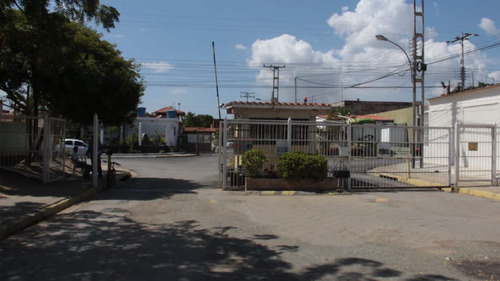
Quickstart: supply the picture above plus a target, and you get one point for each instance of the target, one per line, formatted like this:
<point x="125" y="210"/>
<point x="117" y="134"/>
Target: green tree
<point x="193" y="120"/>
<point x="75" y="10"/>
<point x="64" y="67"/>
<point x="340" y="110"/>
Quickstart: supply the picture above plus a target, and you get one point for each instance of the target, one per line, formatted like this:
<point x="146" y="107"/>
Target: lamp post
<point x="413" y="80"/>
<point x="414" y="95"/>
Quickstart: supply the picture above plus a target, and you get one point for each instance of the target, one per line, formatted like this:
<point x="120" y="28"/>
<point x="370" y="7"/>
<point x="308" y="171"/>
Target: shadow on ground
<point x="96" y="246"/>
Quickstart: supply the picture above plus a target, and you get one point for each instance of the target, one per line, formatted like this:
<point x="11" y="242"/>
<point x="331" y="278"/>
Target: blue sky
<point x="328" y="45"/>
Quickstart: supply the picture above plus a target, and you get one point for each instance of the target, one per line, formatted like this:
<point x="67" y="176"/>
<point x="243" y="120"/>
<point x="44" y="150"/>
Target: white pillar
<point x="140" y="134"/>
<point x="289" y="135"/>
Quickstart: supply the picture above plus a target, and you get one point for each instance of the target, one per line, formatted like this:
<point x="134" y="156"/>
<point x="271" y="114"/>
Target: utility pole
<point x="465" y="36"/>
<point x="418" y="70"/>
<point x="276" y="80"/>
<point x="247" y="95"/>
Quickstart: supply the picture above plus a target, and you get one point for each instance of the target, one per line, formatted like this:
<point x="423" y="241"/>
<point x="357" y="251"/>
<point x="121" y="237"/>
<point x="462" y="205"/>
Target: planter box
<point x="282" y="184"/>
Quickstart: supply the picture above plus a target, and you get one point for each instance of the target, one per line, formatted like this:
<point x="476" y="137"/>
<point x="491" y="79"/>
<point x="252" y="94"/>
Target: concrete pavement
<point x="25" y="201"/>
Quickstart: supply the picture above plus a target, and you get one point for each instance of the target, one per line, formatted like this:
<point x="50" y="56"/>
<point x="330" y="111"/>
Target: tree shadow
<point x="150" y="188"/>
<point x="97" y="246"/>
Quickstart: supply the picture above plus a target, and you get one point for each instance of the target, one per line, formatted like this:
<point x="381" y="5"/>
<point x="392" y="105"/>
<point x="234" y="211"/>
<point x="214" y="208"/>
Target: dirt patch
<point x="487" y="269"/>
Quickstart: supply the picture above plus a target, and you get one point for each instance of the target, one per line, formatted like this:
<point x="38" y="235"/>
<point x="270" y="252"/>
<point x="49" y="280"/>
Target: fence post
<point x="494" y="155"/>
<point x="224" y="153"/>
<point x="289" y="135"/>
<point x="139" y="139"/>
<point x="46" y="148"/>
<point x="457" y="154"/>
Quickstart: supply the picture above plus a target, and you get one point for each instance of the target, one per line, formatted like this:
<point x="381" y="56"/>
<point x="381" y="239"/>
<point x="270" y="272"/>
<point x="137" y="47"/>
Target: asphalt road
<point x="170" y="222"/>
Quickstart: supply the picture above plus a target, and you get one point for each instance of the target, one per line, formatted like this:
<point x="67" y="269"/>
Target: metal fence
<point x="31" y="146"/>
<point x="477" y="154"/>
<point x="373" y="156"/>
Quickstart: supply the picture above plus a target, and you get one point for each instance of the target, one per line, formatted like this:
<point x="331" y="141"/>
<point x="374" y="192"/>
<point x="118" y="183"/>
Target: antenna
<point x="247" y="95"/>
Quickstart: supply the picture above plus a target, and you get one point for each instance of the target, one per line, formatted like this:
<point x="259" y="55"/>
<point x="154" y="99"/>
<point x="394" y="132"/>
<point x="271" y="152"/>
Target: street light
<point x="414" y="93"/>
<point x="412" y="69"/>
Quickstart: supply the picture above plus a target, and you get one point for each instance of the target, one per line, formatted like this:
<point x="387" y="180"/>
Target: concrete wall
<point x="167" y="127"/>
<point x="478" y="106"/>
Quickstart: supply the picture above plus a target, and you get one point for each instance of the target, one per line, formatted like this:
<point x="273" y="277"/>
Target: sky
<point x="328" y="49"/>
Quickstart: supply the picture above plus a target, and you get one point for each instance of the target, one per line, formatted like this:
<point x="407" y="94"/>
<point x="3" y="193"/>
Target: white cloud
<point x="158" y="67"/>
<point x="240" y="47"/>
<point x="489" y="26"/>
<point x="362" y="58"/>
<point x="430" y="33"/>
<point x="370" y="17"/>
<point x="495" y="76"/>
<point x="298" y="57"/>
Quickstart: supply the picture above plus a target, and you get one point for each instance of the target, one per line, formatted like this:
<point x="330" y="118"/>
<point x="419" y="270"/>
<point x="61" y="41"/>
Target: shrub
<point x="298" y="165"/>
<point x="252" y="161"/>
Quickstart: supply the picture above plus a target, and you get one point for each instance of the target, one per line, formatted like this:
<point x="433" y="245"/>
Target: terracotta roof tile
<point x="276" y="103"/>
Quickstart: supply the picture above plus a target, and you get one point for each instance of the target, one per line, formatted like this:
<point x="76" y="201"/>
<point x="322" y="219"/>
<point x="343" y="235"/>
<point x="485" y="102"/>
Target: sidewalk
<point x="25" y="201"/>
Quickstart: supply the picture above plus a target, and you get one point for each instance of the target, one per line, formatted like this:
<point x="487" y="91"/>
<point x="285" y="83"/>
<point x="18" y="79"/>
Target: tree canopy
<point x="75" y="10"/>
<point x="193" y="120"/>
<point x="61" y="66"/>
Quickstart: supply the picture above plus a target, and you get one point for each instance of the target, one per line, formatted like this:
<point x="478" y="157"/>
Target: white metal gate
<point x="477" y="153"/>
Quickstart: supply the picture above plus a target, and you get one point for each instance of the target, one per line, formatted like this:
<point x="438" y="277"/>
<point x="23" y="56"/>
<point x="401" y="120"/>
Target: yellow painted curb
<point x="480" y="193"/>
<point x="288" y="193"/>
<point x="267" y="193"/>
<point x="410" y="180"/>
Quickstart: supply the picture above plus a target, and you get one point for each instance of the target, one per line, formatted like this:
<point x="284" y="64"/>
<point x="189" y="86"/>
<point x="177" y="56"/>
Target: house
<point x="162" y="123"/>
<point x="477" y="106"/>
<point x="263" y="125"/>
<point x="474" y="115"/>
<point x="371" y="107"/>
<point x="197" y="139"/>
<point x="276" y="110"/>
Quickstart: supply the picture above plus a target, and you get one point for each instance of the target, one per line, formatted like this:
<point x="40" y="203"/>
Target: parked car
<point x="70" y="143"/>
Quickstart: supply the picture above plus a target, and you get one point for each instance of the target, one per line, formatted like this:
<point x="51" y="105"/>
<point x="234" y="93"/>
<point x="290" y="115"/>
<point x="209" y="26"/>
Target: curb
<point x="294" y="193"/>
<point x="52" y="209"/>
<point x="46" y="212"/>
<point x="410" y="180"/>
<point x="460" y="190"/>
<point x="479" y="193"/>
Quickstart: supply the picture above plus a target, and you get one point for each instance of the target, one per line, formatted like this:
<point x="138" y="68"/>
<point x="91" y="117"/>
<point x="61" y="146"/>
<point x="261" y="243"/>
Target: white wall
<point x="479" y="106"/>
<point x="166" y="127"/>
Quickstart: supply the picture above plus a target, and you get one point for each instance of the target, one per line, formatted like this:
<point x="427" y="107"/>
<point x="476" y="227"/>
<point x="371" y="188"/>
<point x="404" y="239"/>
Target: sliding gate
<point x="362" y="156"/>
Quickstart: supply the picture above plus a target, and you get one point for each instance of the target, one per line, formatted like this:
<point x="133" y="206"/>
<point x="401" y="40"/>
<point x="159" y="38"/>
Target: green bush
<point x="252" y="160"/>
<point x="298" y="165"/>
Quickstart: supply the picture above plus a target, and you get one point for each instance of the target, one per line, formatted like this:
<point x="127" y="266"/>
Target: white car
<point x="70" y="143"/>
